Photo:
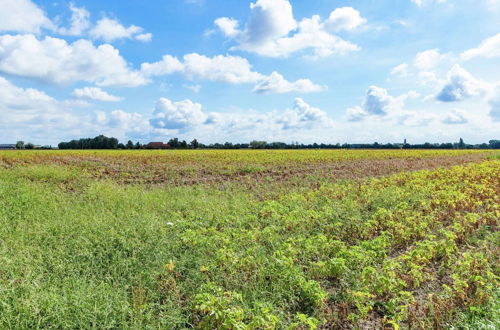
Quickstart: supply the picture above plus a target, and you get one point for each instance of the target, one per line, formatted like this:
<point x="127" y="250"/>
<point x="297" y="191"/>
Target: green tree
<point x="130" y="144"/>
<point x="461" y="144"/>
<point x="20" y="145"/>
<point x="195" y="144"/>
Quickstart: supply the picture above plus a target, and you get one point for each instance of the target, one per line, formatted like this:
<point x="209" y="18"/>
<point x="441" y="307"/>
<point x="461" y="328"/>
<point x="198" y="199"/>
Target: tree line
<point x="103" y="142"/>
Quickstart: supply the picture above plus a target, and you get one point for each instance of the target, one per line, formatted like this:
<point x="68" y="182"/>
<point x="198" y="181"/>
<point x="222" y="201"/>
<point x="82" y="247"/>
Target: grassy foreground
<point x="411" y="250"/>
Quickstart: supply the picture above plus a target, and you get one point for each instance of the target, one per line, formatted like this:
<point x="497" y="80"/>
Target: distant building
<point x="157" y="145"/>
<point x="7" y="146"/>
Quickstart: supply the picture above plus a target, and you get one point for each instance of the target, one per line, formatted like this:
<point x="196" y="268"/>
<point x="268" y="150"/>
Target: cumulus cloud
<point x="56" y="61"/>
<point x="94" y="94"/>
<point x="188" y="115"/>
<point x="109" y="30"/>
<point x="429" y="59"/>
<point x="455" y="117"/>
<point x="79" y="22"/>
<point x="228" y="69"/>
<point x="22" y="16"/>
<point x="228" y="26"/>
<point x="345" y="18"/>
<point x="378" y="103"/>
<point x="460" y="85"/>
<point x="177" y="115"/>
<point x="302" y="115"/>
<point x="276" y="83"/>
<point x="489" y="48"/>
<point x="273" y="31"/>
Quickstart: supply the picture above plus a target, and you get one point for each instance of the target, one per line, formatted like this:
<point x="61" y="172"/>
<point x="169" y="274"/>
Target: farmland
<point x="249" y="239"/>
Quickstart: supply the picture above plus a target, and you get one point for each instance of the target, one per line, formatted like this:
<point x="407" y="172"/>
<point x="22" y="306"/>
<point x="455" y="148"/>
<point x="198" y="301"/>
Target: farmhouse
<point x="7" y="146"/>
<point x="157" y="145"/>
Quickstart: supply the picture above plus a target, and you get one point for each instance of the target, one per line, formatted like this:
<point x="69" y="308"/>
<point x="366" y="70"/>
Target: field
<point x="249" y="239"/>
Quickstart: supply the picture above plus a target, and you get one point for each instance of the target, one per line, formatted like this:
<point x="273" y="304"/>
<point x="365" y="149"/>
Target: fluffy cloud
<point x="455" y="117"/>
<point x="272" y="30"/>
<point x="79" y="22"/>
<point x="28" y="113"/>
<point x="228" y="26"/>
<point x="378" y="103"/>
<point x="429" y="59"/>
<point x="94" y="94"/>
<point x="276" y="83"/>
<point x="460" y="85"/>
<point x="177" y="115"/>
<point x="187" y="115"/>
<point x="109" y="30"/>
<point x="228" y="69"/>
<point x="345" y="18"/>
<point x="22" y="16"/>
<point x="488" y="48"/>
<point x="55" y="61"/>
<point x="302" y="116"/>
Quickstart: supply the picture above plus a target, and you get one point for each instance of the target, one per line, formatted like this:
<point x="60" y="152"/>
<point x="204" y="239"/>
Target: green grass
<point x="77" y="252"/>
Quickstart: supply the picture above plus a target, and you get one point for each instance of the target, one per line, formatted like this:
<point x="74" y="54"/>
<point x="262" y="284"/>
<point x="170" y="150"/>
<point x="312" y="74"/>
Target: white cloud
<point x="489" y="48"/>
<point x="177" y="115"/>
<point x="95" y="94"/>
<point x="228" y="26"/>
<point x="144" y="37"/>
<point x="494" y="103"/>
<point x="422" y="3"/>
<point x="455" y="117"/>
<point x="276" y="83"/>
<point x="195" y="88"/>
<point x="109" y="30"/>
<point x="460" y="85"/>
<point x="345" y="18"/>
<point x="187" y="115"/>
<point x="272" y="30"/>
<point x="166" y="66"/>
<point x="302" y="116"/>
<point x="22" y="16"/>
<point x="228" y="69"/>
<point x="377" y="103"/>
<point x="119" y="119"/>
<point x="400" y="70"/>
<point x="429" y="59"/>
<point x="55" y="61"/>
<point x="79" y="22"/>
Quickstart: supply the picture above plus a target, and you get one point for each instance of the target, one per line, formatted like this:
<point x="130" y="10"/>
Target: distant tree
<point x="29" y="145"/>
<point x="138" y="145"/>
<point x="258" y="144"/>
<point x="195" y="144"/>
<point x="183" y="144"/>
<point x="20" y="145"/>
<point x="121" y="146"/>
<point x="461" y="144"/>
<point x="174" y="143"/>
<point x="130" y="144"/>
<point x="494" y="144"/>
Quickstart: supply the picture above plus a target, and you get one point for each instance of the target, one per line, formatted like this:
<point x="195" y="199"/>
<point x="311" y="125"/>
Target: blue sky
<point x="277" y="70"/>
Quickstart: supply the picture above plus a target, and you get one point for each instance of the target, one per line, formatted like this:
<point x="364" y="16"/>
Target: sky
<point x="326" y="71"/>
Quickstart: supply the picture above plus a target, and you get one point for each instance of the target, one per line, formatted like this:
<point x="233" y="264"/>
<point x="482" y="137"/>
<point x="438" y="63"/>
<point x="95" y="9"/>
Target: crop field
<point x="250" y="239"/>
